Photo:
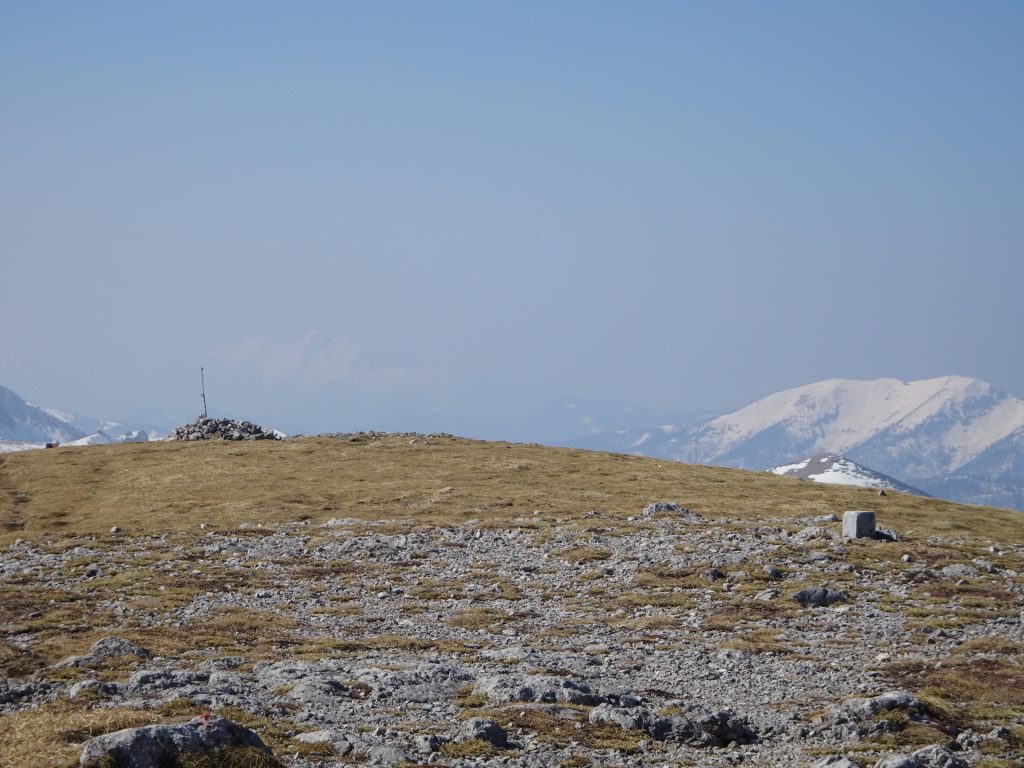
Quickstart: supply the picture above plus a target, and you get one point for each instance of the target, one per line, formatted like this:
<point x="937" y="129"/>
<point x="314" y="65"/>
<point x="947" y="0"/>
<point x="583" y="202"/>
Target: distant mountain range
<point x="953" y="437"/>
<point x="24" y="426"/>
<point x="23" y="422"/>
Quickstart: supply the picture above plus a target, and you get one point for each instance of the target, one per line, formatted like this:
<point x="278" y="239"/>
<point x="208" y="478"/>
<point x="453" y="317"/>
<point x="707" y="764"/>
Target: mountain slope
<point x="23" y="422"/>
<point x="938" y="434"/>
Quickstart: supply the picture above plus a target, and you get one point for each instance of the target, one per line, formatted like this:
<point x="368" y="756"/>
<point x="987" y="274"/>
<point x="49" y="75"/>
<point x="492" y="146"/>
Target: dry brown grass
<point x="972" y="691"/>
<point x="583" y="554"/>
<point x="175" y="486"/>
<point x="564" y="726"/>
<point x="50" y="736"/>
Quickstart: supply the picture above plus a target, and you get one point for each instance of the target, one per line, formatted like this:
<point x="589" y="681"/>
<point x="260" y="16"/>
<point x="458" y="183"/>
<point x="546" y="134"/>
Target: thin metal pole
<point x="202" y="378"/>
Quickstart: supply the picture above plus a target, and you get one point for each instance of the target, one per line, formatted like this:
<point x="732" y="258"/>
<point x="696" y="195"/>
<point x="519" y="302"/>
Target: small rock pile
<point x="205" y="428"/>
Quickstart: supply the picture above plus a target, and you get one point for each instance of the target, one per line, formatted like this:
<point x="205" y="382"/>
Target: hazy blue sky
<point x="380" y="214"/>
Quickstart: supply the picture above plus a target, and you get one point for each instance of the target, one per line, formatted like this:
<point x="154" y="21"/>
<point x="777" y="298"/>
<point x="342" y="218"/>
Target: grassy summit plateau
<point x="162" y="487"/>
<point x="359" y="599"/>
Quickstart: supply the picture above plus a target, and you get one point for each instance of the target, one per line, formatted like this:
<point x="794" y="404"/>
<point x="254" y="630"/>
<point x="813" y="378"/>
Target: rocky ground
<point x="664" y="639"/>
<point x="205" y="428"/>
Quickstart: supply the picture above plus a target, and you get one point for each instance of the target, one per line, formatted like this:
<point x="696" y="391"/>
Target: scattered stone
<point x="382" y="671"/>
<point x="812" y="532"/>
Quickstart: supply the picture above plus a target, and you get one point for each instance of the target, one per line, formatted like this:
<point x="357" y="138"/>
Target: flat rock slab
<point x="156" y="746"/>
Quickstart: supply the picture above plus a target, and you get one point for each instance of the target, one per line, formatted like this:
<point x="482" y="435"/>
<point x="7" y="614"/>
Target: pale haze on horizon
<point x="438" y="216"/>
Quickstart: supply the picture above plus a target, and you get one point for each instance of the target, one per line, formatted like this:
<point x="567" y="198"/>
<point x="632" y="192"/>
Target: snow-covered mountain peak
<point x="839" y="414"/>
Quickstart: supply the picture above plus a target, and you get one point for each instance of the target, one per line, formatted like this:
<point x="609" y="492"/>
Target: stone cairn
<point x="226" y="429"/>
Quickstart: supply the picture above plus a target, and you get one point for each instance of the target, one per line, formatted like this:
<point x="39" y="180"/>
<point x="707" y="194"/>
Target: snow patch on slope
<point x="10" y="446"/>
<point x="839" y="470"/>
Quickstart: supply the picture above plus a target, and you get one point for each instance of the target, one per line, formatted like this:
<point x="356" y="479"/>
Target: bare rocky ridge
<point x="668" y="640"/>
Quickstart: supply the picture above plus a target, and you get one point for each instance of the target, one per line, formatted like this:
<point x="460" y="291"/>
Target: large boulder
<point x="482" y="729"/>
<point x="105" y="649"/>
<point x="853" y="710"/>
<point x="818" y="597"/>
<point x="158" y="746"/>
<point x="933" y="756"/>
<point x="714" y="729"/>
<point x="547" y="689"/>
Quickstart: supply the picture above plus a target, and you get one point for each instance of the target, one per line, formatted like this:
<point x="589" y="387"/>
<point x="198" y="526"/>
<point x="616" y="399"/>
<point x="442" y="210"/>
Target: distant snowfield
<point x="10" y="446"/>
<point x="787" y="469"/>
<point x="839" y="470"/>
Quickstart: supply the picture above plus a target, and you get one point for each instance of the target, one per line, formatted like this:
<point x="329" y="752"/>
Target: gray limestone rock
<point x="11" y="690"/>
<point x="429" y="743"/>
<point x="106" y="648"/>
<point x="862" y="708"/>
<point x="935" y="756"/>
<point x="858" y="524"/>
<point x="627" y="718"/>
<point x="541" y="688"/>
<point x="959" y="571"/>
<point x="716" y="729"/>
<point x="897" y="761"/>
<point x="664" y="507"/>
<point x="818" y="597"/>
<point x="154" y="746"/>
<point x="835" y="761"/>
<point x="226" y="429"/>
<point x="93" y="687"/>
<point x="482" y="729"/>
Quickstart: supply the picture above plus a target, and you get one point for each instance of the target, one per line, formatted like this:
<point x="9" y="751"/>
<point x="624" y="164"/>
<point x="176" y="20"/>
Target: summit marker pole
<point x="202" y="378"/>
